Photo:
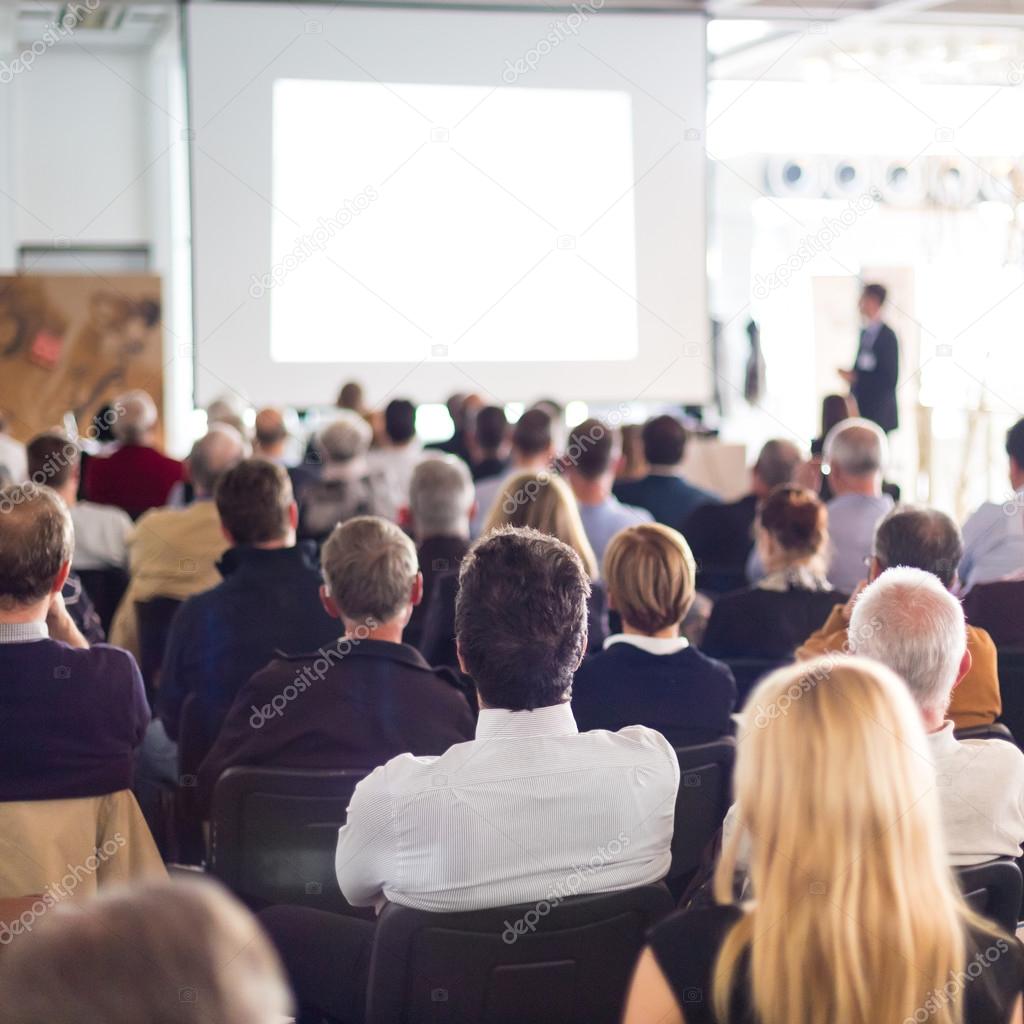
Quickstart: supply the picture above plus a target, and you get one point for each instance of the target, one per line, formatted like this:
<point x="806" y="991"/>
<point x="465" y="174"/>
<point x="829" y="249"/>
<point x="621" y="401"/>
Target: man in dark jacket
<point x="877" y="368"/>
<point x="360" y="700"/>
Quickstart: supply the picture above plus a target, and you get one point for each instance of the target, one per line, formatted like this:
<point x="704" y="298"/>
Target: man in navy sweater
<point x="648" y="674"/>
<point x="71" y="716"/>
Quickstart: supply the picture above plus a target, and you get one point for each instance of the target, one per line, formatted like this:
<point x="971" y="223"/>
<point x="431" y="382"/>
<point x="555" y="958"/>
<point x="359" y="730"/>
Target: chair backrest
<point x="105" y="588"/>
<point x="748" y="672"/>
<point x="73" y="847"/>
<point x="994" y="889"/>
<point x="554" y="962"/>
<point x="154" y="620"/>
<point x="703" y="798"/>
<point x="991" y="731"/>
<point x="274" y="832"/>
<point x="1011" y="689"/>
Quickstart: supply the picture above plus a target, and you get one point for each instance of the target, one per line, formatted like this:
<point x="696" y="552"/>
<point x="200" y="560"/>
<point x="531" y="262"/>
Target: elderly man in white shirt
<point x="529" y="810"/>
<point x="908" y="621"/>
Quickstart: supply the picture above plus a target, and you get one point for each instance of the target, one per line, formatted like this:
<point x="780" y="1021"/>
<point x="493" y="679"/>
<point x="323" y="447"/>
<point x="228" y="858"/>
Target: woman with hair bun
<point x="772" y="618"/>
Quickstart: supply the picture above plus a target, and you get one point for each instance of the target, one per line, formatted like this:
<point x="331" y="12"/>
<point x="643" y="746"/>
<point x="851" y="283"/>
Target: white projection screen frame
<point x="431" y="201"/>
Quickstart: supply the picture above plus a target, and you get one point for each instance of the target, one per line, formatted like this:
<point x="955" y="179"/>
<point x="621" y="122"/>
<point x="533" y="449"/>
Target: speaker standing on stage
<point x="873" y="379"/>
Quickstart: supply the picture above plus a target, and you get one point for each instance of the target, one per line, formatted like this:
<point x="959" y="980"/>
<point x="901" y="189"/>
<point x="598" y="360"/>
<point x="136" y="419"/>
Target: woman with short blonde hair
<point x="855" y="916"/>
<point x="164" y="953"/>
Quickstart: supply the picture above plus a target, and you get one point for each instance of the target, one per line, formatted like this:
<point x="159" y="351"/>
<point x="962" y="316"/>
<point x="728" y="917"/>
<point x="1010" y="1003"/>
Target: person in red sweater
<point x="135" y="477"/>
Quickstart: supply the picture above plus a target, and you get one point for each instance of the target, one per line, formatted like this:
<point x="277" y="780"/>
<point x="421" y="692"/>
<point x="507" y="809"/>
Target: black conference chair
<point x="274" y="831"/>
<point x="1011" y="689"/>
<point x="994" y="890"/>
<point x="536" y="963"/>
<point x="748" y="672"/>
<point x="154" y="620"/>
<point x="703" y="798"/>
<point x="105" y="588"/>
<point x="991" y="731"/>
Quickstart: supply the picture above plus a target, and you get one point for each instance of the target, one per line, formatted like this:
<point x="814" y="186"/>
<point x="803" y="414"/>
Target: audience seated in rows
<point x="769" y="619"/>
<point x="364" y="698"/>
<point x="102" y="532"/>
<point x="266" y="602"/>
<point x="591" y="461"/>
<point x="174" y="551"/>
<point x="162" y="953"/>
<point x="994" y="534"/>
<point x="721" y="535"/>
<point x="855" y="915"/>
<point x="664" y="492"/>
<point x="531" y="809"/>
<point x="395" y="460"/>
<point x="929" y="540"/>
<point x="71" y="716"/>
<point x="345" y="486"/>
<point x="135" y="476"/>
<point x="440" y="506"/>
<point x="490" y="443"/>
<point x="533" y="450"/>
<point x="648" y="674"/>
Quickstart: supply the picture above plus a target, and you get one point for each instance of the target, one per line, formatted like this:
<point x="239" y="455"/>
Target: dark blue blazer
<point x="670" y="499"/>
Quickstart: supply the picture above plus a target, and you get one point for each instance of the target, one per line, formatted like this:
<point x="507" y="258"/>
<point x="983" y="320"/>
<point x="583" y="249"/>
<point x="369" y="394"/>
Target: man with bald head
<point x="174" y="551"/>
<point x="71" y="715"/>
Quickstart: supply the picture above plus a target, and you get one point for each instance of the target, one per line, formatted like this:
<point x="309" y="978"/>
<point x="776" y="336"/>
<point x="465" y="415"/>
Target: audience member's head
<point x="1015" y="452"/>
<point x="835" y="409"/>
<point x="38" y="542"/>
<point x="220" y="448"/>
<point x="532" y="443"/>
<point x="919" y="538"/>
<point x="351" y="397"/>
<point x="400" y="421"/>
<point x="163" y="953"/>
<point x="664" y="441"/>
<point x="792" y="530"/>
<point x="491" y="431"/>
<point x="521" y="618"/>
<point x="53" y="461"/>
<point x="855" y="452"/>
<point x="345" y="440"/>
<point x="136" y="418"/>
<point x="441" y="498"/>
<point x="633" y="465"/>
<point x="907" y="620"/>
<point x="229" y="411"/>
<point x="650" y="575"/>
<point x="371" y="576"/>
<point x="872" y="299"/>
<point x="543" y="502"/>
<point x="777" y="464"/>
<point x="592" y="452"/>
<point x="271" y="433"/>
<point x="256" y="506"/>
<point x="836" y="790"/>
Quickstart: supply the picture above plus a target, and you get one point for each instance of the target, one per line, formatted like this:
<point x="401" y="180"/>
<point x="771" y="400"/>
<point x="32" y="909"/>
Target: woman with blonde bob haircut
<point x="855" y="917"/>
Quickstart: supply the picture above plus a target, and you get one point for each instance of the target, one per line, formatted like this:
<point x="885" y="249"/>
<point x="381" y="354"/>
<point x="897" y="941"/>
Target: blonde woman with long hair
<point x="855" y="917"/>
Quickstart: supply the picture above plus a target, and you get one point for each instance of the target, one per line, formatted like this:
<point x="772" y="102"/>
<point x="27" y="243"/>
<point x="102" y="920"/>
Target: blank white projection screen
<point x="431" y="201"/>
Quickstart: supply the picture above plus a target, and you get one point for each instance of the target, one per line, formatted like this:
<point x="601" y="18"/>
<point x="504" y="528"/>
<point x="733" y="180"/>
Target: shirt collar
<point x="943" y="741"/>
<point x="499" y="723"/>
<point x="650" y="644"/>
<point x="22" y="632"/>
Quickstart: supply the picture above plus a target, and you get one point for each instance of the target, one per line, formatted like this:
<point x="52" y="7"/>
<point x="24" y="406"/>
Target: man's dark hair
<point x="877" y="292"/>
<point x="52" y="459"/>
<point x="920" y="538"/>
<point x="591" y="449"/>
<point x="664" y="441"/>
<point x="521" y="618"/>
<point x="491" y="428"/>
<point x="532" y="432"/>
<point x="400" y="420"/>
<point x="38" y="540"/>
<point x="1015" y="443"/>
<point x="253" y="499"/>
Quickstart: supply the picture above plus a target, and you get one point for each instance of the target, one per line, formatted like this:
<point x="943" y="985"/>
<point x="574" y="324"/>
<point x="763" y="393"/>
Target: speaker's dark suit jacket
<point x="878" y="369"/>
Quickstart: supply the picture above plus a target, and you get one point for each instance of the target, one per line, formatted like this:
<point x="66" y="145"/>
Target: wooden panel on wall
<point x="72" y="343"/>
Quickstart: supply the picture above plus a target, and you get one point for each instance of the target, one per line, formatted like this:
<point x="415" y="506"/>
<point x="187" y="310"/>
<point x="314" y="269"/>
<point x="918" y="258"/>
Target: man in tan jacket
<point x="174" y="551"/>
<point x="925" y="539"/>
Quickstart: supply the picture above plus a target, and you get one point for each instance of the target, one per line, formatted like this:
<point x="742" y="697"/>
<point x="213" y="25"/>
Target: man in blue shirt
<point x="994" y="535"/>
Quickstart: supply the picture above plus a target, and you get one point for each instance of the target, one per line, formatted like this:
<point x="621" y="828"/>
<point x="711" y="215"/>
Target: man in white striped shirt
<point x="531" y="809"/>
